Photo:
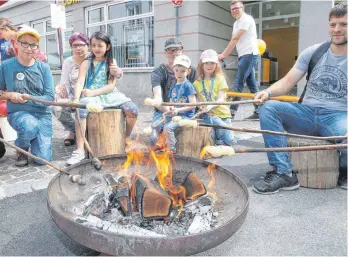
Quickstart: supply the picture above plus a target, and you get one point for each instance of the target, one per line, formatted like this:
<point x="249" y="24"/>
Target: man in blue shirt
<point x="20" y="76"/>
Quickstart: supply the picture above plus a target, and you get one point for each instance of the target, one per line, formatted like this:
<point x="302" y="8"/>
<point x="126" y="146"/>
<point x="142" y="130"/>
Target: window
<point x="48" y="42"/>
<point x="130" y="27"/>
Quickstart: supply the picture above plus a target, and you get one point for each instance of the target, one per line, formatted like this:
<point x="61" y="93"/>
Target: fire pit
<point x="64" y="197"/>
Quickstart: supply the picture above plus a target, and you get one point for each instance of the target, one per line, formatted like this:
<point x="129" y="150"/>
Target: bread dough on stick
<point x="216" y="151"/>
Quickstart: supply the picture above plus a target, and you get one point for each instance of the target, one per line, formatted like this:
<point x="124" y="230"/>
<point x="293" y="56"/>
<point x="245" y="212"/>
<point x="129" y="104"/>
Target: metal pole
<point x="60" y="44"/>
<point x="60" y="47"/>
<point x="177" y="20"/>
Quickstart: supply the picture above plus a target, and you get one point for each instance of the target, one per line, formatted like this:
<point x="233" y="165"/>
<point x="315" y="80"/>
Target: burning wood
<point x="152" y="201"/>
<point x="193" y="185"/>
<point x="119" y="196"/>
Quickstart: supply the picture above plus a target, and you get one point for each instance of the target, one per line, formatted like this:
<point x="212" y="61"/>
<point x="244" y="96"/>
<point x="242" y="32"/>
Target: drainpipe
<point x="177" y="19"/>
<point x="60" y="43"/>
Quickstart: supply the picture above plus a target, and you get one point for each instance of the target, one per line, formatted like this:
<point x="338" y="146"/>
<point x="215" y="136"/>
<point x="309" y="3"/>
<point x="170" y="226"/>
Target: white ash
<point x="129" y="229"/>
<point x="197" y="216"/>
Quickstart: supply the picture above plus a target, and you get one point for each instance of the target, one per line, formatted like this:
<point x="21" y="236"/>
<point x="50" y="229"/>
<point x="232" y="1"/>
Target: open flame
<point x="164" y="170"/>
<point x="212" y="173"/>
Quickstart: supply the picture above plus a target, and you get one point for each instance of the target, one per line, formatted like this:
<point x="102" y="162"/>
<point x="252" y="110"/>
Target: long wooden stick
<point x="291" y="149"/>
<point x="62" y="104"/>
<point x="210" y="103"/>
<point x="272" y="132"/>
<point x="33" y="156"/>
<point x="283" y="98"/>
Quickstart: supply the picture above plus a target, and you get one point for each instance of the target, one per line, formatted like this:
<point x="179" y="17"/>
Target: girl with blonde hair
<point x="211" y="85"/>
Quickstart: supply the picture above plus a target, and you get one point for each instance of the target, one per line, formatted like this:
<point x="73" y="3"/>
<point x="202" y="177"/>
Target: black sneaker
<point x="22" y="160"/>
<point x="342" y="182"/>
<point x="2" y="146"/>
<point x="254" y="116"/>
<point x="273" y="182"/>
<point x="2" y="149"/>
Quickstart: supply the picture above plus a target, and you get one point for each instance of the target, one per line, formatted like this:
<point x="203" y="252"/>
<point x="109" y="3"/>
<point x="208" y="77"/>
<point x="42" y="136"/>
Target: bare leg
<point x="130" y="123"/>
<point x="79" y="138"/>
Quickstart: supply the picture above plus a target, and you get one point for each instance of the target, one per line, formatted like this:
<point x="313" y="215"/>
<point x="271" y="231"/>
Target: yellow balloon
<point x="261" y="45"/>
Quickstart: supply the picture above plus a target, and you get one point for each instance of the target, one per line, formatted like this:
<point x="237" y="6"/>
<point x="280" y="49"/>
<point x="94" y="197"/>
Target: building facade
<point x="138" y="30"/>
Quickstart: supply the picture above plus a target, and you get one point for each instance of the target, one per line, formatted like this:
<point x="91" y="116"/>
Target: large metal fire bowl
<point x="232" y="204"/>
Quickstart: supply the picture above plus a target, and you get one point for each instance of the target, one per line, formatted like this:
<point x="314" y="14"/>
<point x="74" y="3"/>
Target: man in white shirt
<point x="244" y="37"/>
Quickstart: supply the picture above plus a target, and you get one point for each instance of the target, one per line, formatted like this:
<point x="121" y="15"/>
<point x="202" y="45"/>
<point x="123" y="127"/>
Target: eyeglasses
<point x="236" y="8"/>
<point x="26" y="45"/>
<point x="78" y="45"/>
<point x="175" y="50"/>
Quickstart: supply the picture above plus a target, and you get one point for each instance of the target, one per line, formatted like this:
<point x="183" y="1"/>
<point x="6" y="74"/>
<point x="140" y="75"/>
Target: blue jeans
<point x="168" y="127"/>
<point x="300" y="119"/>
<point x="222" y="136"/>
<point x="245" y="74"/>
<point x="169" y="132"/>
<point x="157" y="126"/>
<point x="34" y="131"/>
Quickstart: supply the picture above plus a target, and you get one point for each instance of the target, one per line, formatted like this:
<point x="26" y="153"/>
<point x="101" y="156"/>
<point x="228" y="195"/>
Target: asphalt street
<point x="302" y="222"/>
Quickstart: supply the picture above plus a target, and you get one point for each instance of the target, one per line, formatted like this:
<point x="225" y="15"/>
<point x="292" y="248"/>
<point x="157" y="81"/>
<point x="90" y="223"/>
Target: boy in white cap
<point x="162" y="79"/>
<point x="182" y="92"/>
<point x="24" y="75"/>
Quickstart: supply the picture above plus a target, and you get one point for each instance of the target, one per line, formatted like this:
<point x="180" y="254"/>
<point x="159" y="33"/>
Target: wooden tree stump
<point x="316" y="169"/>
<point x="190" y="141"/>
<point x="106" y="132"/>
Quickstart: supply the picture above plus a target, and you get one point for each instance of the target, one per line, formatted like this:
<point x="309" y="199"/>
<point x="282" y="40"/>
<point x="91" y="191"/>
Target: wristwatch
<point x="269" y="93"/>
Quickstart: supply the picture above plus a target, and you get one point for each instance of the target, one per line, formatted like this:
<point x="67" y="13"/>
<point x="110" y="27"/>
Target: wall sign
<point x="69" y="2"/>
<point x="58" y="19"/>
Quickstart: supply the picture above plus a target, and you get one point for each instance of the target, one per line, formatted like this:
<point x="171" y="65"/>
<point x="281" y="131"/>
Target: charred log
<point x="151" y="200"/>
<point x="191" y="182"/>
<point x="119" y="197"/>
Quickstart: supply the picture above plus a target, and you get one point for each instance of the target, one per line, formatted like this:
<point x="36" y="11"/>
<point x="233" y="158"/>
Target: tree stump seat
<point x="190" y="141"/>
<point x="106" y="132"/>
<point x="316" y="169"/>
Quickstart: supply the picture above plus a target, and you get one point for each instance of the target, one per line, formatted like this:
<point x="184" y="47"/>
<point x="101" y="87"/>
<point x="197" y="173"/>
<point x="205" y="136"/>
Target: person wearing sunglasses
<point x="23" y="76"/>
<point x="162" y="79"/>
<point x="244" y="38"/>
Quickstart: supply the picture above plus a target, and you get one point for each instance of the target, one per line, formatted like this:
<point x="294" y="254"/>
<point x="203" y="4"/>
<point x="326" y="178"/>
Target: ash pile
<point x="137" y="205"/>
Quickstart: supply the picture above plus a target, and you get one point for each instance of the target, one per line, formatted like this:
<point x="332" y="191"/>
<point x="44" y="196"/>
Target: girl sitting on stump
<point x="96" y="85"/>
<point x="211" y="85"/>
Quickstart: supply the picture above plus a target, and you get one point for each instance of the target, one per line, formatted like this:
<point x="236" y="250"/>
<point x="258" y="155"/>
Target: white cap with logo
<point x="182" y="60"/>
<point x="209" y="56"/>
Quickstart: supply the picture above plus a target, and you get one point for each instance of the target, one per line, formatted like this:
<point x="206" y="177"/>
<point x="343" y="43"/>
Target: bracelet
<point x="269" y="93"/>
<point x="1" y="92"/>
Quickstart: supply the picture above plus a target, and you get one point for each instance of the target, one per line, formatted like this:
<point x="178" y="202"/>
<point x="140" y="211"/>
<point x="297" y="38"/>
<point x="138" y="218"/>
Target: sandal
<point x="69" y="141"/>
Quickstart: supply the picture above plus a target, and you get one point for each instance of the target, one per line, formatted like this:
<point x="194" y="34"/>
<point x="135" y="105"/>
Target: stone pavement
<point x="14" y="180"/>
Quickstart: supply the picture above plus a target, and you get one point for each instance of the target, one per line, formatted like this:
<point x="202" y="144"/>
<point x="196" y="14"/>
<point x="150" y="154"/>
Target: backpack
<point x="319" y="52"/>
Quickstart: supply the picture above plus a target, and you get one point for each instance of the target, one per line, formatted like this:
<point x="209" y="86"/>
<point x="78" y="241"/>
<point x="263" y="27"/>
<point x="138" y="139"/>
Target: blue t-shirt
<point x="36" y="80"/>
<point x="179" y="93"/>
<point x="6" y="50"/>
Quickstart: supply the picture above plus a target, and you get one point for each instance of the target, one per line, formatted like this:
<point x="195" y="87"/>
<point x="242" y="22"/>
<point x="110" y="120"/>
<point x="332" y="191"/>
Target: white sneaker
<point x="76" y="157"/>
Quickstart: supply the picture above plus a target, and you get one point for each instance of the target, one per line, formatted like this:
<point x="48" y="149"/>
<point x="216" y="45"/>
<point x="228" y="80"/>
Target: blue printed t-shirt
<point x="6" y="50"/>
<point x="179" y="93"/>
<point x="36" y="80"/>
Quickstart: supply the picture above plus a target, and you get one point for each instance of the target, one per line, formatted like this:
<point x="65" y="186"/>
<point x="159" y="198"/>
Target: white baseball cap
<point x="182" y="60"/>
<point x="209" y="56"/>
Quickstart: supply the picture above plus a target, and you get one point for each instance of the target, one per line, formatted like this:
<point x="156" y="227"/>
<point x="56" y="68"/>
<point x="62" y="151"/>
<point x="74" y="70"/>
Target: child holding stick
<point x="211" y="85"/>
